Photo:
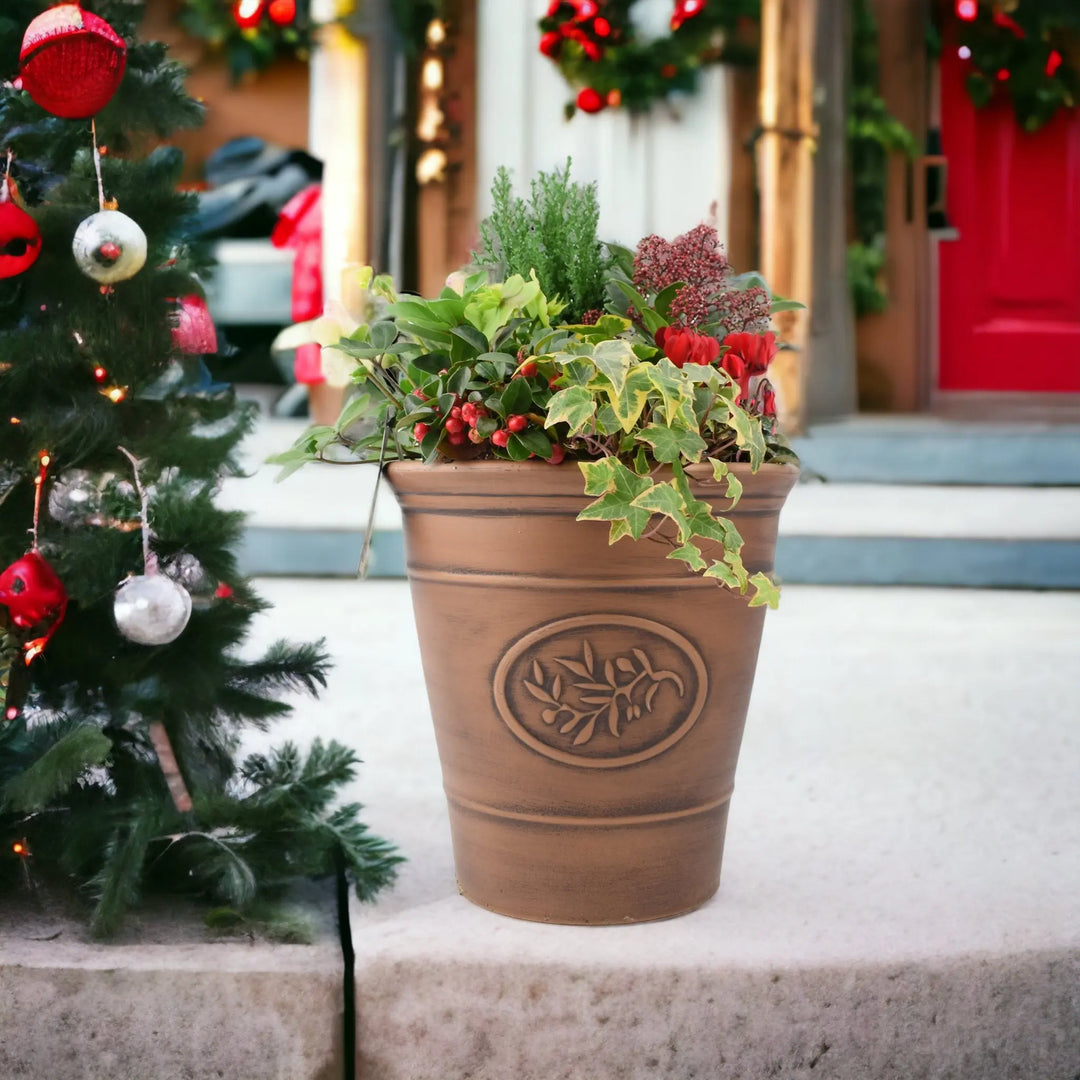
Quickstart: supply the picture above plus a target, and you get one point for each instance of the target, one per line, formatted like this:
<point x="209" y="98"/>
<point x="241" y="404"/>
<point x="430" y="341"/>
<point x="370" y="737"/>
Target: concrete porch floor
<point x="899" y="892"/>
<point x="898" y="899"/>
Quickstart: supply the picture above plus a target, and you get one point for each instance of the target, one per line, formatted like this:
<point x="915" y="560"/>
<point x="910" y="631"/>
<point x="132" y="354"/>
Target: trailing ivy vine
<point x="873" y="134"/>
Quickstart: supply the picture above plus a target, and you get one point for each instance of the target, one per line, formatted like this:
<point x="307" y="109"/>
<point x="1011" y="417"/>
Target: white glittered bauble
<point x="109" y="246"/>
<point x="74" y="498"/>
<point x="152" y="610"/>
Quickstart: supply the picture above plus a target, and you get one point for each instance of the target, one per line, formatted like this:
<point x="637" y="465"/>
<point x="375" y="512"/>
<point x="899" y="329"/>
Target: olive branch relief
<point x="621" y="701"/>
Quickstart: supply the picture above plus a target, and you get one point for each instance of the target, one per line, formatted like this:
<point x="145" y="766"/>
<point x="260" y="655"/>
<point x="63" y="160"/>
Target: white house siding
<point x="659" y="173"/>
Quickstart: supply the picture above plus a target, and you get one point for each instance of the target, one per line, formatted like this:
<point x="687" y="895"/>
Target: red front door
<point x="1010" y="286"/>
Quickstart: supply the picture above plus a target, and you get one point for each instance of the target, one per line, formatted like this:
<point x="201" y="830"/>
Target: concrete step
<point x="897" y="902"/>
<point x="975" y="535"/>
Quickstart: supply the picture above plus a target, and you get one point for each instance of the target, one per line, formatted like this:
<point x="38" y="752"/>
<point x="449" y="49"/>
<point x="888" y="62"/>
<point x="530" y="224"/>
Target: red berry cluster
<point x="581" y="22"/>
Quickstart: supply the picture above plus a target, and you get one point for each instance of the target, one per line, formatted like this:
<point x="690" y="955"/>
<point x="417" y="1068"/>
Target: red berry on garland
<point x="586" y="9"/>
<point x="1004" y="74"/>
<point x="550" y="44"/>
<point x="601" y="27"/>
<point x="469" y="413"/>
<point x="1053" y="62"/>
<point x="592" y="50"/>
<point x="282" y="12"/>
<point x="669" y="71"/>
<point x="553" y="8"/>
<point x="248" y="13"/>
<point x="588" y="100"/>
<point x="20" y="238"/>
<point x="500" y="438"/>
<point x="614" y="98"/>
<point x="517" y="423"/>
<point x="71" y="61"/>
<point x="968" y="10"/>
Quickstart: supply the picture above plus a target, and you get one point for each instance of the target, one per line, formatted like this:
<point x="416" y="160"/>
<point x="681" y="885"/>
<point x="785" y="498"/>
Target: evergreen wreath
<point x="252" y="34"/>
<point x="1028" y="50"/>
<point x="600" y="54"/>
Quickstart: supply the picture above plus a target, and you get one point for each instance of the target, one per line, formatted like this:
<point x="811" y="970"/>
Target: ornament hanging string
<point x="150" y="561"/>
<point x="44" y="460"/>
<point x="97" y="170"/>
<point x="159" y="737"/>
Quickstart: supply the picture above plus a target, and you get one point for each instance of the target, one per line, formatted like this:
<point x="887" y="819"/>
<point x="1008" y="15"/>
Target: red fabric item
<point x="299" y="227"/>
<point x="71" y="61"/>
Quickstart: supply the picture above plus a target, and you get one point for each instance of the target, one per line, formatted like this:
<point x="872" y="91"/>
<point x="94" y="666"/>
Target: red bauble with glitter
<point x="194" y="332"/>
<point x="282" y="12"/>
<point x="71" y="61"/>
<point x="20" y="238"/>
<point x="35" y="598"/>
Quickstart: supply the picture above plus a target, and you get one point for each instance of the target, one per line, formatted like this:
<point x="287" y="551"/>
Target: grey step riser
<point x="803" y="560"/>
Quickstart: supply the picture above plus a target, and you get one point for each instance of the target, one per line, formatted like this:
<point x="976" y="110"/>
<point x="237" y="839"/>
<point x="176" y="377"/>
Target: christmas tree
<point x="124" y="704"/>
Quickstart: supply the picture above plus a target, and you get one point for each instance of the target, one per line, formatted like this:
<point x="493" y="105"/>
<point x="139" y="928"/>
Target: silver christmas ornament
<point x="186" y="570"/>
<point x="151" y="609"/>
<point x="109" y="246"/>
<point x="74" y="498"/>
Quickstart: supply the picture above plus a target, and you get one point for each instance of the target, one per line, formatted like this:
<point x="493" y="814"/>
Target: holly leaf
<point x="617" y="487"/>
<point x="574" y="406"/>
<point x="671" y="444"/>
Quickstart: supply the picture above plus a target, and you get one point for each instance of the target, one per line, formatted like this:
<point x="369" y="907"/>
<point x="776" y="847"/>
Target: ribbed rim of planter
<point x="476" y="477"/>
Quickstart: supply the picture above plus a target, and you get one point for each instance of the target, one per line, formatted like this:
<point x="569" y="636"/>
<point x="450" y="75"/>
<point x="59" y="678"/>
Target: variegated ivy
<point x="484" y="372"/>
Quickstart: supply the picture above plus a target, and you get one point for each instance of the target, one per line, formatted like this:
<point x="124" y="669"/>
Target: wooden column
<point x="786" y="178"/>
<point x="339" y="72"/>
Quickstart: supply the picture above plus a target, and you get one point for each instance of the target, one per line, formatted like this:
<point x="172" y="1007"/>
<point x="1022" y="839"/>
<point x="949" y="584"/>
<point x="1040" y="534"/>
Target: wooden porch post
<point x="786" y="177"/>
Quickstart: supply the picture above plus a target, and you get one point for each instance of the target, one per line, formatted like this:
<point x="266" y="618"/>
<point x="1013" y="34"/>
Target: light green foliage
<point x="553" y="234"/>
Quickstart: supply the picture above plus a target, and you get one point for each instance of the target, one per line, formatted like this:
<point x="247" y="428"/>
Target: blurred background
<point x="908" y="168"/>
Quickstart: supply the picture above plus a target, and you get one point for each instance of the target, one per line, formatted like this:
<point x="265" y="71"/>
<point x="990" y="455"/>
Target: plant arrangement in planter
<point x="588" y="694"/>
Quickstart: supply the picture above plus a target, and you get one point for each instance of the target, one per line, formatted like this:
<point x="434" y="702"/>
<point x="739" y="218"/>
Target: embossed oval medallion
<point x="601" y="691"/>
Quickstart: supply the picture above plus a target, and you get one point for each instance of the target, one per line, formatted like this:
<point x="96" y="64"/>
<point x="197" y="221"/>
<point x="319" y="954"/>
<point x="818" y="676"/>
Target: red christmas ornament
<point x="967" y="10"/>
<point x="588" y="100"/>
<point x="20" y="238"/>
<point x="194" y="332"/>
<point x="71" y="61"/>
<point x="248" y="13"/>
<point x="550" y="44"/>
<point x="282" y="12"/>
<point x="35" y="598"/>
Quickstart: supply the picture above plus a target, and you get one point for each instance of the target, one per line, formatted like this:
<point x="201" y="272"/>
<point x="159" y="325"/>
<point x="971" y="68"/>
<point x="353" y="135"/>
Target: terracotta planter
<point x="564" y="807"/>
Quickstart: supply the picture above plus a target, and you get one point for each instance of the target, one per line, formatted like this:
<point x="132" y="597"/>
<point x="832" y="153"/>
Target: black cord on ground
<point x="348" y="959"/>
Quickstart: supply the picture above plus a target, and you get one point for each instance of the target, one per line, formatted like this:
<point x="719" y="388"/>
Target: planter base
<point x="578" y="873"/>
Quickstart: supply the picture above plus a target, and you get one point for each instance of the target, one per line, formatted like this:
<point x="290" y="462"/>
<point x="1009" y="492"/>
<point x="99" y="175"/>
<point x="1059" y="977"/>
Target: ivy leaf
<point x="723" y="573"/>
<point x="614" y="359"/>
<point x="766" y="592"/>
<point x="664" y="499"/>
<point x="574" y="406"/>
<point x="690" y="554"/>
<point x="629" y="403"/>
<point x="675" y="392"/>
<point x="617" y="487"/>
<point x="748" y="436"/>
<point x="670" y="444"/>
<point x="734" y="484"/>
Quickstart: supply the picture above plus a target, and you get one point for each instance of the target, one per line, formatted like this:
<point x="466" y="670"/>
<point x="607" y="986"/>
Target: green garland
<point x="597" y="49"/>
<point x="273" y="35"/>
<point x="1028" y="51"/>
